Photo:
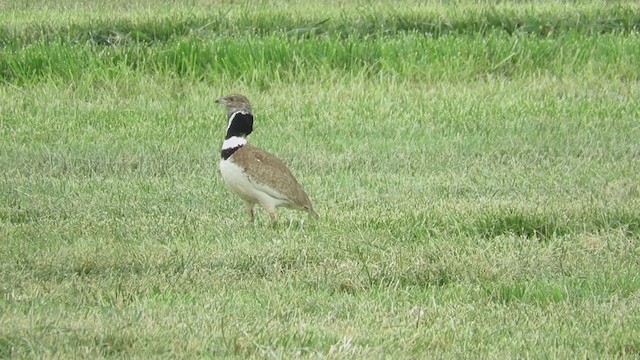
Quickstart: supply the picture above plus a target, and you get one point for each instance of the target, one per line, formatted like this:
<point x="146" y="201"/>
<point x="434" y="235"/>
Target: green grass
<point x="478" y="187"/>
<point x="264" y="60"/>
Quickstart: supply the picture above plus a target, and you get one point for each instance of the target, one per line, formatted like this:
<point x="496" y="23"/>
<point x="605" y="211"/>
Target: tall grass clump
<point x="153" y="23"/>
<point x="414" y="56"/>
<point x="428" y="41"/>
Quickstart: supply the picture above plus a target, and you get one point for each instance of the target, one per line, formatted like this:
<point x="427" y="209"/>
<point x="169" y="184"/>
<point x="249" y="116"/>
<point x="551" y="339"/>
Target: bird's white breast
<point x="236" y="179"/>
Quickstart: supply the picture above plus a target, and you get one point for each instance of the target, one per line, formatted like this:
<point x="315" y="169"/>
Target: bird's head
<point x="239" y="114"/>
<point x="235" y="103"/>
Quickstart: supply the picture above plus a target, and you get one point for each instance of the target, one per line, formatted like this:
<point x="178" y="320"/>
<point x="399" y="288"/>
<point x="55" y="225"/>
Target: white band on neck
<point x="233" y="142"/>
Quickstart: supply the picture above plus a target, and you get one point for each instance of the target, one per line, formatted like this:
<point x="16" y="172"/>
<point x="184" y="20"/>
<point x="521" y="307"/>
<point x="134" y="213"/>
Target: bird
<point x="255" y="175"/>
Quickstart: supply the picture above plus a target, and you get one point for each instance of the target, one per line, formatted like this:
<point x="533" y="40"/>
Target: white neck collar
<point x="233" y="142"/>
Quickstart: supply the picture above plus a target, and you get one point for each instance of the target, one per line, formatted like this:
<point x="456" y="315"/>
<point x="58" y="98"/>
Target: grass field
<point x="476" y="169"/>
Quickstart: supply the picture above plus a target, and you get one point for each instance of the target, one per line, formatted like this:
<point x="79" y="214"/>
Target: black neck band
<point x="240" y="124"/>
<point x="226" y="153"/>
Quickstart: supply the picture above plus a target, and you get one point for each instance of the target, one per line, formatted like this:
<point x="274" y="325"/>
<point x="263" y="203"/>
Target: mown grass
<point x="478" y="190"/>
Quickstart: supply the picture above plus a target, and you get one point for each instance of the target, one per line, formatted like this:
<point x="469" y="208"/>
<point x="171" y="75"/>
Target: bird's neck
<point x="232" y="144"/>
<point x="240" y="126"/>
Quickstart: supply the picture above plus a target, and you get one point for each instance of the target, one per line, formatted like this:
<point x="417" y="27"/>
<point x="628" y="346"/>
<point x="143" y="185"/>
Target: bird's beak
<point x="220" y="101"/>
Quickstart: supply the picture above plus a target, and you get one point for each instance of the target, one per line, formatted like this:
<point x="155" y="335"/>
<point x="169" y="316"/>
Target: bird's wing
<point x="276" y="179"/>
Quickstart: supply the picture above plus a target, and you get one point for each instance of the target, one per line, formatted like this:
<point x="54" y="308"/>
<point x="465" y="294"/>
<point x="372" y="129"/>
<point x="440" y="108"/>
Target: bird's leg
<point x="272" y="213"/>
<point x="271" y="210"/>
<point x="249" y="205"/>
<point x="274" y="216"/>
